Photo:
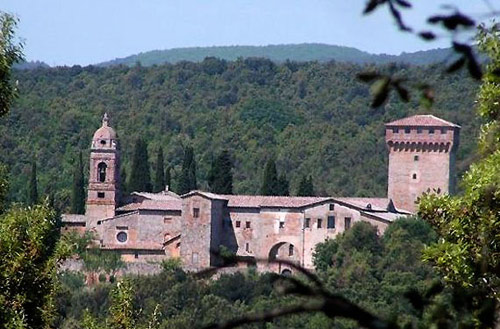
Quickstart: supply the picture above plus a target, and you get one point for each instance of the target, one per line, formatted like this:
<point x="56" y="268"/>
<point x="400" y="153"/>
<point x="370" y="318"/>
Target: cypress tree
<point x="168" y="178"/>
<point x="32" y="187"/>
<point x="159" y="183"/>
<point x="78" y="192"/>
<point x="306" y="187"/>
<point x="221" y="178"/>
<point x="140" y="177"/>
<point x="123" y="180"/>
<point x="283" y="186"/>
<point x="270" y="184"/>
<point x="187" y="179"/>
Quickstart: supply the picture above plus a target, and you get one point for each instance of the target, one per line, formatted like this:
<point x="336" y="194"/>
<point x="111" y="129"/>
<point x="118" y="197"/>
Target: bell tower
<point x="104" y="178"/>
<point x="422" y="152"/>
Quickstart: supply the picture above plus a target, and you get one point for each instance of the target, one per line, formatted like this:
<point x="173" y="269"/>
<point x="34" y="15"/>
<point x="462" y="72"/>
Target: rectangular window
<point x="320" y="222"/>
<point x="332" y="206"/>
<point x="194" y="258"/>
<point x="331" y="222"/>
<point x="100" y="195"/>
<point x="122" y="228"/>
<point x="166" y="220"/>
<point x="247" y="224"/>
<point x="443" y="130"/>
<point x="307" y="222"/>
<point x="431" y="131"/>
<point x="395" y="130"/>
<point x="415" y="158"/>
<point x="247" y="247"/>
<point x="290" y="250"/>
<point x="136" y="255"/>
<point x="347" y="223"/>
<point x="196" y="212"/>
<point x="407" y="130"/>
<point x="282" y="224"/>
<point x="419" y="130"/>
<point x="238" y="223"/>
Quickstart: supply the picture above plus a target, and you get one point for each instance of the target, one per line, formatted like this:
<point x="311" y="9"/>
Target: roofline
<point x="447" y="123"/>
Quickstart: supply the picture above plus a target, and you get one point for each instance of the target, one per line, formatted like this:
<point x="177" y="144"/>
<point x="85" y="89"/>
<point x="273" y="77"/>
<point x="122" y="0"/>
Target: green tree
<point x="33" y="186"/>
<point x="10" y="53"/>
<point x="187" y="179"/>
<point x="123" y="180"/>
<point x="306" y="187"/>
<point x="270" y="184"/>
<point x="159" y="183"/>
<point x="283" y="185"/>
<point x="140" y="177"/>
<point x="220" y="179"/>
<point x="168" y="177"/>
<point x="78" y="189"/>
<point x="467" y="253"/>
<point x="30" y="252"/>
<point x="121" y="312"/>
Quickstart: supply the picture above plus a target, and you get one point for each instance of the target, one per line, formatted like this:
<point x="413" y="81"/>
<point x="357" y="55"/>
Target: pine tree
<point x="187" y="179"/>
<point x="283" y="186"/>
<point x="159" y="183"/>
<point x="123" y="180"/>
<point x="78" y="192"/>
<point x="306" y="187"/>
<point x="32" y="187"/>
<point x="270" y="184"/>
<point x="140" y="177"/>
<point x="221" y="178"/>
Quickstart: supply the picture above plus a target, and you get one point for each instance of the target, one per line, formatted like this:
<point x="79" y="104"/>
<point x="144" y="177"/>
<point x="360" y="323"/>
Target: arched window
<point x="101" y="172"/>
<point x="290" y="250"/>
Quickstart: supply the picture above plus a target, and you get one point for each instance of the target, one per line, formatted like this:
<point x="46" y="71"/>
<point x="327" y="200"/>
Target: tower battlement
<point x="421" y="157"/>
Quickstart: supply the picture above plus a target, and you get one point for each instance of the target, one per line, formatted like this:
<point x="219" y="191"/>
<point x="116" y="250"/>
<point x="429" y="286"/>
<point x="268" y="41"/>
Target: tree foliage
<point x="140" y="176"/>
<point x="306" y="186"/>
<point x="159" y="182"/>
<point x="220" y="178"/>
<point x="32" y="196"/>
<point x="78" y="189"/>
<point x="187" y="179"/>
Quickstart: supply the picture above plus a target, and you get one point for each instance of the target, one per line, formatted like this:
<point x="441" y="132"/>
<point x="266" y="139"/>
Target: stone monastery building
<point x="194" y="226"/>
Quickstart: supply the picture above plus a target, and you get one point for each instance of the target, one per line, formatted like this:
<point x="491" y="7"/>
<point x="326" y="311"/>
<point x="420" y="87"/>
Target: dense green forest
<point x="313" y="118"/>
<point x="280" y="53"/>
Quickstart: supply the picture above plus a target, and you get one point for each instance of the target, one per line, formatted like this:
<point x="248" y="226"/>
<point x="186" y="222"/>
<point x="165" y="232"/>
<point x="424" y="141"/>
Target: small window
<point x="282" y="224"/>
<point x="419" y="130"/>
<point x="247" y="247"/>
<point x="320" y="222"/>
<point x="121" y="228"/>
<point x="443" y="130"/>
<point x="332" y="206"/>
<point x="122" y="237"/>
<point x="415" y="158"/>
<point x="194" y="258"/>
<point x="238" y="223"/>
<point x="290" y="250"/>
<point x="307" y="222"/>
<point x="331" y="222"/>
<point x="136" y="255"/>
<point x="431" y="130"/>
<point x="103" y="142"/>
<point x="196" y="212"/>
<point x="100" y="195"/>
<point x="395" y="130"/>
<point x="247" y="224"/>
<point x="101" y="172"/>
<point x="407" y="130"/>
<point x="347" y="223"/>
<point x="414" y="176"/>
<point x="167" y="220"/>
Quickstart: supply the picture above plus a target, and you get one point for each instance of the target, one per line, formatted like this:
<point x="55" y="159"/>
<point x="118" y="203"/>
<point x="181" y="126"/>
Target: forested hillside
<point x="313" y="118"/>
<point x="280" y="53"/>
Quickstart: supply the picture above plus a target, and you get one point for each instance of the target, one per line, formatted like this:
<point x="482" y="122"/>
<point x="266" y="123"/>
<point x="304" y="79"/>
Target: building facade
<point x="199" y="226"/>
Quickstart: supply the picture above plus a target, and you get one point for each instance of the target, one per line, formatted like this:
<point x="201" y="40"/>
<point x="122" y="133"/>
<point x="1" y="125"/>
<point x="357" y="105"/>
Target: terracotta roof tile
<point x="170" y="204"/>
<point x="73" y="218"/>
<point x="426" y="120"/>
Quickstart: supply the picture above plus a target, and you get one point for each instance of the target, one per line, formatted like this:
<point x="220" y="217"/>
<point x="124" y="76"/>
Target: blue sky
<point x="67" y="32"/>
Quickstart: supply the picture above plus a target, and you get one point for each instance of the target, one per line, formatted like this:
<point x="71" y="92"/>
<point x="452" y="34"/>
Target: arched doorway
<point x="283" y="251"/>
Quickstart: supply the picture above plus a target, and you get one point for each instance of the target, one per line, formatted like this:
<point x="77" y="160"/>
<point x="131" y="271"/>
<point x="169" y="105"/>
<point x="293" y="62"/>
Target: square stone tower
<point x="104" y="178"/>
<point x="421" y="157"/>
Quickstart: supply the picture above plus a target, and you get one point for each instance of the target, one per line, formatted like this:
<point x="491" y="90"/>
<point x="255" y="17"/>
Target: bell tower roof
<point x="105" y="132"/>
